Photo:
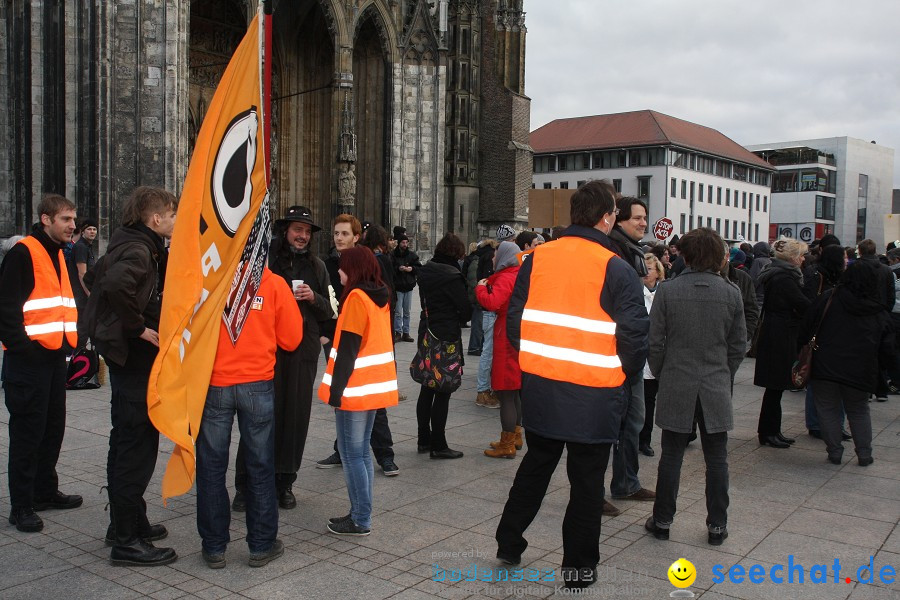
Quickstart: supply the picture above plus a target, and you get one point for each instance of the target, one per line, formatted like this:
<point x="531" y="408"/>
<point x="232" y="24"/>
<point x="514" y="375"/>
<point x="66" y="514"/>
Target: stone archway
<point x="370" y="98"/>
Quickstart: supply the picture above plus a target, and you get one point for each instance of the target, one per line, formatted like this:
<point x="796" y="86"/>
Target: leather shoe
<point x="610" y="509"/>
<point x="407" y="338"/>
<point x="657" y="531"/>
<point x="239" y="504"/>
<point x="717" y="536"/>
<point x="646" y="450"/>
<point x="641" y="495"/>
<point x="141" y="554"/>
<point x="155" y="533"/>
<point x="446" y="453"/>
<point x="834" y="459"/>
<point x="58" y="500"/>
<point x="865" y="461"/>
<point x="509" y="558"/>
<point x="784" y="439"/>
<point x="771" y="440"/>
<point x="422" y="449"/>
<point x="286" y="499"/>
<point x="25" y="520"/>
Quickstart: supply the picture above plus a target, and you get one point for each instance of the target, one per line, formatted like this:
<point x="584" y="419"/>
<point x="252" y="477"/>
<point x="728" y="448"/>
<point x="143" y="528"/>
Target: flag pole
<point x="267" y="85"/>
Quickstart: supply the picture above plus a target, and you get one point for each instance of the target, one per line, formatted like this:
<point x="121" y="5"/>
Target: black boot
<point x="129" y="548"/>
<point x="147" y="532"/>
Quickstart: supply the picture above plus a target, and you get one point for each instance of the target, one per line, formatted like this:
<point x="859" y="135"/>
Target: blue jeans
<point x="487" y="352"/>
<point x="354" y="428"/>
<point x="625" y="458"/>
<point x="476" y="335"/>
<point x="255" y="406"/>
<point x="404" y="306"/>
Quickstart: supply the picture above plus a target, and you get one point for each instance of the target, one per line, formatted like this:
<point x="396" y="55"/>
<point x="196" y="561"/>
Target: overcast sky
<point x="758" y="71"/>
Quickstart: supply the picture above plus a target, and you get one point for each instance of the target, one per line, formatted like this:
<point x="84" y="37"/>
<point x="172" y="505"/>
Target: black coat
<point x="854" y="338"/>
<point x="784" y="307"/>
<point x="442" y="291"/>
<point x="885" y="281"/>
<point x="405" y="281"/>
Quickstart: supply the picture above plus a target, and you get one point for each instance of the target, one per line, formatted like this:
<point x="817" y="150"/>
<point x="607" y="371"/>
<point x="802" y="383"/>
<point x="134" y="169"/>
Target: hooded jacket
<point x="445" y="304"/>
<point x="126" y="294"/>
<point x="505" y="371"/>
<point x="854" y="338"/>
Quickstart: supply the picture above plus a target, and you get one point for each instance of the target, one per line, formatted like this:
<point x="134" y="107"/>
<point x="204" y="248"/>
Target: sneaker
<point x="610" y="510"/>
<point x="348" y="527"/>
<point x="660" y="533"/>
<point x="486" y="400"/>
<point x="25" y="520"/>
<point x="640" y="495"/>
<point x="264" y="558"/>
<point x="213" y="561"/>
<point x="331" y="462"/>
<point x="239" y="504"/>
<point x="717" y="535"/>
<point x="346" y="517"/>
<point x="59" y="501"/>
<point x="390" y="468"/>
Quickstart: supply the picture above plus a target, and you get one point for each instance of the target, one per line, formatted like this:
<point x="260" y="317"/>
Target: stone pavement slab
<point x="441" y="515"/>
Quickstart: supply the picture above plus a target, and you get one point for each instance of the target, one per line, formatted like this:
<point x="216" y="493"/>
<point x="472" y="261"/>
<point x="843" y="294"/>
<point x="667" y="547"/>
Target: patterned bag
<point x="437" y="365"/>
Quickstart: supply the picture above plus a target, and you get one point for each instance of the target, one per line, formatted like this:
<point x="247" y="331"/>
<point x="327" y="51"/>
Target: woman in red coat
<point x="493" y="294"/>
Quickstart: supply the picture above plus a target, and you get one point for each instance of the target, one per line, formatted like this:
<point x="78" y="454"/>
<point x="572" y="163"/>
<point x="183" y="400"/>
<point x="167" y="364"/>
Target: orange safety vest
<point x="566" y="335"/>
<point x="521" y="256"/>
<point x="373" y="383"/>
<point x="50" y="309"/>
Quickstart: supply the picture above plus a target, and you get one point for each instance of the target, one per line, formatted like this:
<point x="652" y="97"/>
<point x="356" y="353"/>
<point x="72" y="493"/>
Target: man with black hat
<point x="83" y="257"/>
<point x="406" y="262"/>
<point x="291" y="258"/>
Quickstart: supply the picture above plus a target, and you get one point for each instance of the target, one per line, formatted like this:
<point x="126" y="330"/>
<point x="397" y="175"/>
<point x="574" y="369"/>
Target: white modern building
<point x="692" y="174"/>
<point x="839" y="185"/>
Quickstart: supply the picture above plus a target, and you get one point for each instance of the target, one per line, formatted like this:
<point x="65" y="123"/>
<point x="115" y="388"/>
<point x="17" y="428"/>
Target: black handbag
<point x="84" y="367"/>
<point x="803" y="365"/>
<point x="437" y="365"/>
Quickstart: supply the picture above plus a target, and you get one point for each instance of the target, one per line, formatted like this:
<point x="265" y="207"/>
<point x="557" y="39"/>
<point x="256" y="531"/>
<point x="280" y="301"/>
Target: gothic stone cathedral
<point x="404" y="112"/>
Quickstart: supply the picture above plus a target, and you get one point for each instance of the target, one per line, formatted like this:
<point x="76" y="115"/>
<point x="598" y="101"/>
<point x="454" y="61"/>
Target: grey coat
<point x="697" y="342"/>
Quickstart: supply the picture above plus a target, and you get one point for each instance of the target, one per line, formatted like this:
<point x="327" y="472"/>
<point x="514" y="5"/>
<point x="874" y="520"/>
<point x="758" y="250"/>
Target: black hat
<point x="298" y="214"/>
<point x="401" y="238"/>
<point x="88" y="223"/>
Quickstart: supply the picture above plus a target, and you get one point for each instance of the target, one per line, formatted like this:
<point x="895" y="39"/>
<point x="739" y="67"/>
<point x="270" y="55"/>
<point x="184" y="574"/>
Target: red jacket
<point x="494" y="297"/>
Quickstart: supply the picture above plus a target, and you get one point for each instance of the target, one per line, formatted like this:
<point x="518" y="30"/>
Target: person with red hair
<point x="361" y="377"/>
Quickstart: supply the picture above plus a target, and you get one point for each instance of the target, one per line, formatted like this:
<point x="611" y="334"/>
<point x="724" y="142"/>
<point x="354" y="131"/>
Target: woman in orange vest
<point x="361" y="377"/>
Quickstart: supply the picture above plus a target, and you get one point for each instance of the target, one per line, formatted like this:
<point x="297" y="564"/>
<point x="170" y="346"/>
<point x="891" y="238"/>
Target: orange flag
<point x="217" y="256"/>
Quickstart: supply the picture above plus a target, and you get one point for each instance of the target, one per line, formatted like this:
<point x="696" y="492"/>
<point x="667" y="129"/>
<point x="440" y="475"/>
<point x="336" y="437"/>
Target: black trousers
<point x="651" y="388"/>
<point x="35" y="392"/>
<point x="586" y="467"/>
<point x="770" y="413"/>
<point x="431" y="413"/>
<point x="133" y="441"/>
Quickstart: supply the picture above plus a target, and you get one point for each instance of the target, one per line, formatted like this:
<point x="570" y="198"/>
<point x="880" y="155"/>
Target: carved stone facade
<point x="406" y="112"/>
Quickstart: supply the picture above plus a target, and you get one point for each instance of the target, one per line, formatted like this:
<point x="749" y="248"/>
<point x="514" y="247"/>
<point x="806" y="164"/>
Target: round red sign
<point x="663" y="228"/>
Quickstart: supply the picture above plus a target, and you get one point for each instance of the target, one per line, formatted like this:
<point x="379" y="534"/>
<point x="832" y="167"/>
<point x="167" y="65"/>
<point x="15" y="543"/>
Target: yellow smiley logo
<point x="682" y="573"/>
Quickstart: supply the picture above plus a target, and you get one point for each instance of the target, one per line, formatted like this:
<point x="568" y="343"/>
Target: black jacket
<point x="311" y="269"/>
<point x="405" y="281"/>
<point x="740" y="278"/>
<point x="485" y="256"/>
<point x="628" y="250"/>
<point x="126" y="294"/>
<point x="567" y="411"/>
<point x="854" y="340"/>
<point x="16" y="284"/>
<point x="442" y="293"/>
<point x="885" y="281"/>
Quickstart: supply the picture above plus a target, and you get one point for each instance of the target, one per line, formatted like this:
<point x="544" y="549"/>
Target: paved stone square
<point x="441" y="515"/>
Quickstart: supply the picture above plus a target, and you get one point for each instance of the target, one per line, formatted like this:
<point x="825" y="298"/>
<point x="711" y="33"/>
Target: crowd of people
<point x="586" y="339"/>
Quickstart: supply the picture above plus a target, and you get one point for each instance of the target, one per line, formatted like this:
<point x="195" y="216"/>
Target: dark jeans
<point x="476" y="332"/>
<point x="770" y="413"/>
<point x="651" y="388"/>
<point x="832" y="399"/>
<point x="585" y="466"/>
<point x="133" y="441"/>
<point x="625" y="464"/>
<point x="431" y="412"/>
<point x="715" y="453"/>
<point x="255" y="407"/>
<point x="35" y="392"/>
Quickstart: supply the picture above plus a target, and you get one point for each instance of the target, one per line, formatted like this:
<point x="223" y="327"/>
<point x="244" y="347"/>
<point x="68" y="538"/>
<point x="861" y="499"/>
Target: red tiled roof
<point x="638" y="128"/>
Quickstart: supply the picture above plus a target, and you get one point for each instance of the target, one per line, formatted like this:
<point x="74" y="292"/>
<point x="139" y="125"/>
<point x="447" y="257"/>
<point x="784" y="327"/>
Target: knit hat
<point x="505" y="232"/>
<point x="401" y="238"/>
<point x="737" y="256"/>
<point x="88" y="223"/>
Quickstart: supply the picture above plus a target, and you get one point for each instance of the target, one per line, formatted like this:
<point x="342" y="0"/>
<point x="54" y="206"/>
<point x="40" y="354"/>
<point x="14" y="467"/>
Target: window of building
<point x="718" y="198"/>
<point x="765" y="204"/>
<point x="581" y="161"/>
<point x="683" y="189"/>
<point x="462" y="148"/>
<point x="719" y="225"/>
<point x="725" y="233"/>
<point x="691" y="222"/>
<point x="757" y="203"/>
<point x="861" y="206"/>
<point x="674" y="187"/>
<point x="756" y="232"/>
<point x="682" y="223"/>
<point x="709" y="222"/>
<point x="533" y="186"/>
<point x="548" y="185"/>
<point x="743" y="229"/>
<point x="580" y="183"/>
<point x="700" y="192"/>
<point x="563" y="185"/>
<point x="728" y="197"/>
<point x="709" y="194"/>
<point x="617" y="184"/>
<point x="643" y="187"/>
<point x="567" y="162"/>
<point x="678" y="159"/>
<point x="734" y="229"/>
<point x="743" y="199"/>
<point x="824" y="207"/>
<point x="692" y="191"/>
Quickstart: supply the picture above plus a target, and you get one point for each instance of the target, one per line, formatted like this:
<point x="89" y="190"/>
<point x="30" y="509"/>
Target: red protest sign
<point x="663" y="229"/>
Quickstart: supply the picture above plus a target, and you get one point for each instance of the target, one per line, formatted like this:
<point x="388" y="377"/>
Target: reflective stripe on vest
<point x="566" y="335"/>
<point x="373" y="382"/>
<point x="49" y="312"/>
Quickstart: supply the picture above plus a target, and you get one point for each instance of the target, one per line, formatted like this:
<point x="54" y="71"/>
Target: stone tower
<point x="404" y="112"/>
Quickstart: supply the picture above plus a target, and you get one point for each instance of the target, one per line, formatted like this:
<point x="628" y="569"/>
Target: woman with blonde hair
<point x="656" y="272"/>
<point x="783" y="310"/>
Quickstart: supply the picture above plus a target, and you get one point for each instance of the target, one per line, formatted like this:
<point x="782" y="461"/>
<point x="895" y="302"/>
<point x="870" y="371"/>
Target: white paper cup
<point x="295" y="284"/>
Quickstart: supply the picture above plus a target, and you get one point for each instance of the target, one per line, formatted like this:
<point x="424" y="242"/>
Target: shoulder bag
<point x="437" y="365"/>
<point x="803" y="365"/>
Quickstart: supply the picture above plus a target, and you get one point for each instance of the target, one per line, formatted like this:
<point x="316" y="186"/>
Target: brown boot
<point x="518" y="443"/>
<point x="487" y="400"/>
<point x="506" y="448"/>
